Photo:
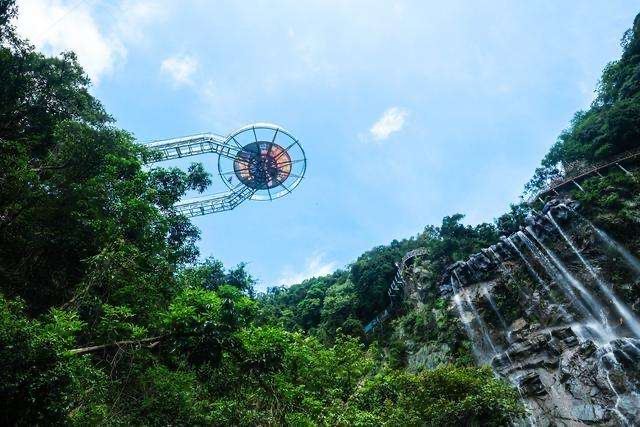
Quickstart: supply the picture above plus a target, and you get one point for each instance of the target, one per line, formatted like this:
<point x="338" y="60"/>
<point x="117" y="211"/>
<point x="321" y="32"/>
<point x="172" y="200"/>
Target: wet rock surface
<point x="531" y="385"/>
<point x="566" y="346"/>
<point x="568" y="382"/>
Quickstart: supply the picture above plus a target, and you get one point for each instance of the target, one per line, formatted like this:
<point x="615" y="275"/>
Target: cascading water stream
<point x="562" y="275"/>
<point x="539" y="279"/>
<point x="554" y="273"/>
<point x="482" y="327"/>
<point x="612" y="359"/>
<point x="628" y="317"/>
<point x="466" y="322"/>
<point x="523" y="296"/>
<point x="597" y="311"/>
<point x="593" y="303"/>
<point x="631" y="260"/>
<point x="456" y="288"/>
<point x="605" y="375"/>
<point x="628" y="391"/>
<point x="494" y="307"/>
<point x="533" y="272"/>
<point x="495" y="255"/>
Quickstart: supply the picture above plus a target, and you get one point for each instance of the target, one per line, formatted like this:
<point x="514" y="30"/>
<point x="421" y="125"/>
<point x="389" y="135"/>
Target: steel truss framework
<point x="265" y="161"/>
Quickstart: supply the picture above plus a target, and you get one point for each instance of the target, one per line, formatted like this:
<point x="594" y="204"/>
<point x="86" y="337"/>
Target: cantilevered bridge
<point x="261" y="161"/>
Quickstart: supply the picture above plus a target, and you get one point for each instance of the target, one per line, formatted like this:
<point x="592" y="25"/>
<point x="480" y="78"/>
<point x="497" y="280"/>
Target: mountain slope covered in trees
<point x="609" y="127"/>
<point x="106" y="318"/>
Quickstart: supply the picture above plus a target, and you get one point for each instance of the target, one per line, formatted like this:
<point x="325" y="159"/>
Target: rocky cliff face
<point x="554" y="309"/>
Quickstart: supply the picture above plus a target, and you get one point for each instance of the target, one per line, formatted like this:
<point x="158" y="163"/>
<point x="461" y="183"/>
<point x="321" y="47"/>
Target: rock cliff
<point x="553" y="309"/>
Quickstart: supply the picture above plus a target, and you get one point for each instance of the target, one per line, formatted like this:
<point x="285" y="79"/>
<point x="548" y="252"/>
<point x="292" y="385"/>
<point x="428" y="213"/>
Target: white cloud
<point x="132" y="25"/>
<point x="54" y="26"/>
<point x="390" y="122"/>
<point x="314" y="266"/>
<point x="180" y="68"/>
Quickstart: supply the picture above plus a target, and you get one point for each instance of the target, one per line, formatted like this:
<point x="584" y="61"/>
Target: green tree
<point x="106" y="318"/>
<point x="610" y="126"/>
<point x="511" y="221"/>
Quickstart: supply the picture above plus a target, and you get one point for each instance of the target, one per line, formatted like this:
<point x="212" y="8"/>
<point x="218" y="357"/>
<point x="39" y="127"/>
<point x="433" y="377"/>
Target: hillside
<point x="508" y="294"/>
<point x="109" y="317"/>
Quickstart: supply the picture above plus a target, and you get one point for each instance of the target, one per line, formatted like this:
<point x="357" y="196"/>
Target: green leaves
<point x="118" y="323"/>
<point x="194" y="325"/>
<point x="93" y="255"/>
<point x="38" y="383"/>
<point x="447" y="395"/>
<point x="210" y="274"/>
<point x="612" y="124"/>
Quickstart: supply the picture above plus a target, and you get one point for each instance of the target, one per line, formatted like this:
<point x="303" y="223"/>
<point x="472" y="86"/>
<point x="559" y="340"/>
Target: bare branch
<point x="146" y="342"/>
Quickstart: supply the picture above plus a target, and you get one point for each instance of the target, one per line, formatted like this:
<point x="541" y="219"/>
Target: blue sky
<point x="407" y="110"/>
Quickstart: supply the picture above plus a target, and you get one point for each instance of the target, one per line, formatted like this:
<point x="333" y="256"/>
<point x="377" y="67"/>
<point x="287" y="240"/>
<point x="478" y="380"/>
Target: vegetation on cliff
<point x="106" y="318"/>
<point x="609" y="127"/>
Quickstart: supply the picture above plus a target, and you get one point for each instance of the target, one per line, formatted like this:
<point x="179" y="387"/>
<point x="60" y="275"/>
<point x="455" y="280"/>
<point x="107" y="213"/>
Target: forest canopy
<point x="610" y="126"/>
<point x="108" y="317"/>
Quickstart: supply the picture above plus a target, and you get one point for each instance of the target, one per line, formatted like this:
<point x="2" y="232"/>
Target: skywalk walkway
<point x="395" y="290"/>
<point x="596" y="169"/>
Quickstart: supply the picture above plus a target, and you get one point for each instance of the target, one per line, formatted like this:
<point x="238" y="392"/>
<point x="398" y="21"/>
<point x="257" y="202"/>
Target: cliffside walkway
<point x="395" y="290"/>
<point x="587" y="172"/>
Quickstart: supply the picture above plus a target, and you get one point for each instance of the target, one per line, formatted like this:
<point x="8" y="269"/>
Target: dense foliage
<point x="610" y="126"/>
<point x="349" y="299"/>
<point x="424" y="333"/>
<point x="107" y="318"/>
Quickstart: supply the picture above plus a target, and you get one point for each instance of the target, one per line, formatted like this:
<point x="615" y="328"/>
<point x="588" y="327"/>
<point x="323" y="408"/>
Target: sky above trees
<point x="408" y="111"/>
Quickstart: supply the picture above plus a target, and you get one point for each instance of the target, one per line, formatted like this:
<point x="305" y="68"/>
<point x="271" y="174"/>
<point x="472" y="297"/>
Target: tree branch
<point x="147" y="342"/>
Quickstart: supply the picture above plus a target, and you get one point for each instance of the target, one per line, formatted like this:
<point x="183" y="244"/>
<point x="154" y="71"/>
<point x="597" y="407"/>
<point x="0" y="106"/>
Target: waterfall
<point x="626" y="314"/>
<point x="471" y="333"/>
<point x="495" y="255"/>
<point x="614" y="362"/>
<point x="481" y="325"/>
<point x="504" y="269"/>
<point x="591" y="331"/>
<point x="539" y="279"/>
<point x="551" y="271"/>
<point x="456" y="288"/>
<point x="523" y="296"/>
<point x="466" y="322"/>
<point x="595" y="308"/>
<point x="494" y="307"/>
<point x="533" y="272"/>
<point x="570" y="291"/>
<point x="631" y="260"/>
<point x="628" y="390"/>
